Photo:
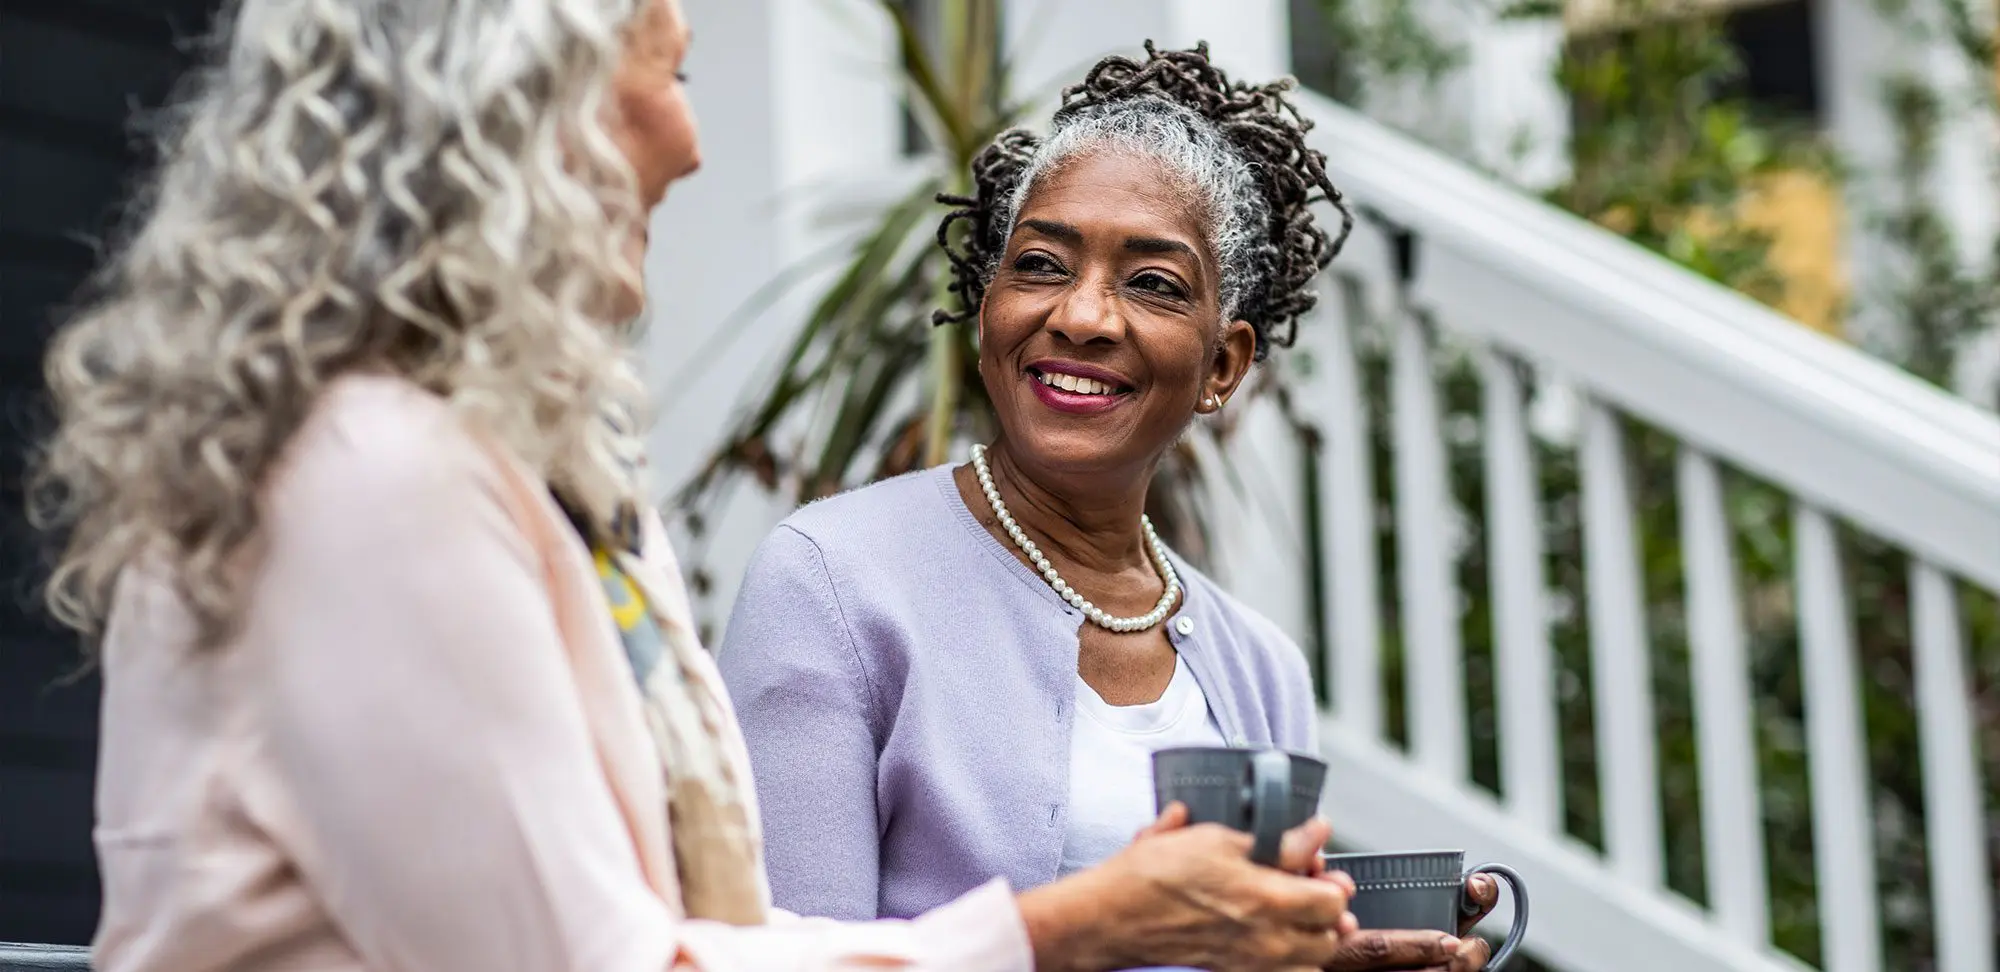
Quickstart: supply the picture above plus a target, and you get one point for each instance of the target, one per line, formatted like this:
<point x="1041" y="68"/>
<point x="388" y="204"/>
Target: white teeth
<point x="1072" y="383"/>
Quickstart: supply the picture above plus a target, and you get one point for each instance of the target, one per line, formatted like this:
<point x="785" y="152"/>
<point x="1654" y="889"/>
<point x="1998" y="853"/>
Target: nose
<point x="1087" y="314"/>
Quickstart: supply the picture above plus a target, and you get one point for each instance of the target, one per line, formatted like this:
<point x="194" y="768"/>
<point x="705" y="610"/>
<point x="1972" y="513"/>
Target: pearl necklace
<point x="1097" y="616"/>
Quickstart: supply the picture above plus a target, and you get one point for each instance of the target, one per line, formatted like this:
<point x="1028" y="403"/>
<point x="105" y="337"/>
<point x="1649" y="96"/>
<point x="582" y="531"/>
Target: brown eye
<point x="1154" y="283"/>
<point x="1036" y="263"/>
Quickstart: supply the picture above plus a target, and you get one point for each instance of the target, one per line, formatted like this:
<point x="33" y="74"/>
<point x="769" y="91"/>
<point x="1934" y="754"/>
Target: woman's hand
<point x="1190" y="896"/>
<point x="1372" y="950"/>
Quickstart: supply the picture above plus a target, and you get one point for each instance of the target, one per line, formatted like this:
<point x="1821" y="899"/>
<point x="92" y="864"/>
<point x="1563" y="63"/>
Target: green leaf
<point x="921" y="72"/>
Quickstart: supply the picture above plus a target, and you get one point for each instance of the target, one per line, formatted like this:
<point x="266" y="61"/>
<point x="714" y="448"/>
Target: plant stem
<point x="946" y="369"/>
<point x="970" y="33"/>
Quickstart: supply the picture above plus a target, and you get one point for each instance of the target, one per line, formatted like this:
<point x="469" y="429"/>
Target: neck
<point x="1092" y="521"/>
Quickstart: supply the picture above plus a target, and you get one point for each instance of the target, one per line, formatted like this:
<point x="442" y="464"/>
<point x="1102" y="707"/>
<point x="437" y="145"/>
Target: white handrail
<point x="1847" y="437"/>
<point x="1853" y="436"/>
<point x="1428" y="184"/>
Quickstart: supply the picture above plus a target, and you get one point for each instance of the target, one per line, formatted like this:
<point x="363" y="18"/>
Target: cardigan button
<point x="1184" y="626"/>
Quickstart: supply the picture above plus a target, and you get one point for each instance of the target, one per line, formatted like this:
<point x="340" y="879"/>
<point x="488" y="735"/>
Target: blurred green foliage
<point x="1663" y="155"/>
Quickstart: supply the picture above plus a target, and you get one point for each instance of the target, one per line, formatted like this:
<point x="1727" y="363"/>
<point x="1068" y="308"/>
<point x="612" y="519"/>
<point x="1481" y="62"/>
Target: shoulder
<point x="852" y="535"/>
<point x="889" y="511"/>
<point x="376" y="434"/>
<point x="867" y="535"/>
<point x="380" y="451"/>
<point x="860" y="559"/>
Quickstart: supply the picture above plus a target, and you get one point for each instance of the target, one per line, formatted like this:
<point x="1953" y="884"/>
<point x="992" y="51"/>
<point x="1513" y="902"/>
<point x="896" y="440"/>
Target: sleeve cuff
<point x="980" y="932"/>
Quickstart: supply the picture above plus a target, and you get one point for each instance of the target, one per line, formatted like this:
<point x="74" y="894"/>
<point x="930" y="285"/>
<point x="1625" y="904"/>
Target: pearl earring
<point x="1214" y="402"/>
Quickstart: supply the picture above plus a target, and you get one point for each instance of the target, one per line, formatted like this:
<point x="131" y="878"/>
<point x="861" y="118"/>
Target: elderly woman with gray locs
<point x="964" y="672"/>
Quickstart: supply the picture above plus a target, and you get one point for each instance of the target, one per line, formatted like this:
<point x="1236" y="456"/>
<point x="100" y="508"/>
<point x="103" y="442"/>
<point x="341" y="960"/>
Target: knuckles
<point x="1370" y="948"/>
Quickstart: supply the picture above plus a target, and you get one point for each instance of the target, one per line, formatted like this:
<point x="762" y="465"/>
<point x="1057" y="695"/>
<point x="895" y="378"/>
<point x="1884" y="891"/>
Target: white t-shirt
<point x="1111" y="763"/>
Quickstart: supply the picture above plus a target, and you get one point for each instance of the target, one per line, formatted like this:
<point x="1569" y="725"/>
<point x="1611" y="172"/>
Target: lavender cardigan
<point x="906" y="686"/>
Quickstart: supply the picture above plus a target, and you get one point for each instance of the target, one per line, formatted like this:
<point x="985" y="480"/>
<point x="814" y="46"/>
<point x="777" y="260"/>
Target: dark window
<point x="73" y="73"/>
<point x="1775" y="41"/>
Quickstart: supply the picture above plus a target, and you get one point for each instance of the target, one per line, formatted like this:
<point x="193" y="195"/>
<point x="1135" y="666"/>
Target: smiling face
<point x="1101" y="334"/>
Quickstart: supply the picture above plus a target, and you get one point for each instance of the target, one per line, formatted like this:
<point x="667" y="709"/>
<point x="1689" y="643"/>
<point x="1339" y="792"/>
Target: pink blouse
<point x="424" y="751"/>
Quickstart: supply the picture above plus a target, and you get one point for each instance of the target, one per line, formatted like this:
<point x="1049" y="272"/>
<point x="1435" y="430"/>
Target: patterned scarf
<point x="718" y="850"/>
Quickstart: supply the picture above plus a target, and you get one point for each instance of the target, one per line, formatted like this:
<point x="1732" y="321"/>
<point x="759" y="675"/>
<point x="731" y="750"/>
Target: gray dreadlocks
<point x="1240" y="149"/>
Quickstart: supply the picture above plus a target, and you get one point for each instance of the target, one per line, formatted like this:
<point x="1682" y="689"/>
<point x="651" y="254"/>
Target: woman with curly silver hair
<point x="399" y="673"/>
<point x="993" y="652"/>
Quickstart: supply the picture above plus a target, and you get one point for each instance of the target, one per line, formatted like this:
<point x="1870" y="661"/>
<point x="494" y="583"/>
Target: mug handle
<point x="1520" y="926"/>
<point x="1270" y="798"/>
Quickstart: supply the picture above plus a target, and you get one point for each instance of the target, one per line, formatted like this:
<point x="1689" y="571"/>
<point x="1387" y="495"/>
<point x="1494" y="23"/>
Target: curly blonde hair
<point x="423" y="186"/>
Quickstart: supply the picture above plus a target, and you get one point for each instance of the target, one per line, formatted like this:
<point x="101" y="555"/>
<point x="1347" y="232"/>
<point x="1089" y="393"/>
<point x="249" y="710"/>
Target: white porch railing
<point x="1526" y="298"/>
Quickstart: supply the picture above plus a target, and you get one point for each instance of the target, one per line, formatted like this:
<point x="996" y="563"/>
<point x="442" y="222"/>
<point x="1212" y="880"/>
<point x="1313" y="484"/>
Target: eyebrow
<point x="1137" y="244"/>
<point x="1154" y="244"/>
<point x="1054" y="230"/>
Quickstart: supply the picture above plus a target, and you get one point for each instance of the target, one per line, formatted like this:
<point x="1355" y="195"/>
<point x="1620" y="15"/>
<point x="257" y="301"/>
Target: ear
<point x="1234" y="354"/>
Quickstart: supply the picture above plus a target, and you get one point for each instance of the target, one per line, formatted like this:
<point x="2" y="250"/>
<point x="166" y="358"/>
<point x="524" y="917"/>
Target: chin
<point x="1079" y="451"/>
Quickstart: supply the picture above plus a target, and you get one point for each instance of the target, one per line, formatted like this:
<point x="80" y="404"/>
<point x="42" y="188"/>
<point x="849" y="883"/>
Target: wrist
<point x="1061" y="918"/>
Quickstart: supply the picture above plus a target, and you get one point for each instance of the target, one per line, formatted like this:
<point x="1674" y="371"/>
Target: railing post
<point x="1434" y="671"/>
<point x="1725" y="742"/>
<point x="1347" y="497"/>
<point x="1622" y="677"/>
<point x="1530" y="757"/>
<point x="1842" y="824"/>
<point x="1954" y="821"/>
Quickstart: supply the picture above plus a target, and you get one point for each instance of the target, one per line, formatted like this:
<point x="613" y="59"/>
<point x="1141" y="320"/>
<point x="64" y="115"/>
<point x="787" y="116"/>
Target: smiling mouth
<point x="1077" y="385"/>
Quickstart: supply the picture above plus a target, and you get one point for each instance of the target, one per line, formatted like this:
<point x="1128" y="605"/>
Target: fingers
<point x="1472" y="955"/>
<point x="1306" y="903"/>
<point x="1375" y="949"/>
<point x="1341" y="878"/>
<point x="1484" y="891"/>
<point x="1173" y="817"/>
<point x="1300" y="850"/>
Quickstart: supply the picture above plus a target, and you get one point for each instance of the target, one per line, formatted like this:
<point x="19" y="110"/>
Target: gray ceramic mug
<point x="1426" y="889"/>
<point x="1262" y="792"/>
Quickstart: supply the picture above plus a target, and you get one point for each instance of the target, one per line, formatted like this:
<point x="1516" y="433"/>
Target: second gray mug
<point x="1425" y="889"/>
<point x="1262" y="792"/>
